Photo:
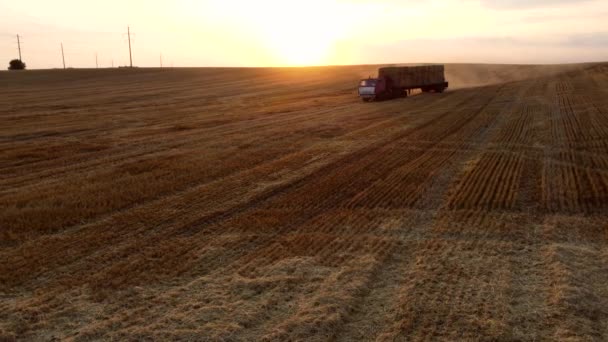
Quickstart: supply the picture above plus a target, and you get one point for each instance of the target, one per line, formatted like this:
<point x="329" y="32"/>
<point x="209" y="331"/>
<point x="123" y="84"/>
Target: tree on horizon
<point x="16" y="64"/>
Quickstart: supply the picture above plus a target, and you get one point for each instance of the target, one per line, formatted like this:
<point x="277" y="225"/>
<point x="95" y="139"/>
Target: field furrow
<point x="272" y="204"/>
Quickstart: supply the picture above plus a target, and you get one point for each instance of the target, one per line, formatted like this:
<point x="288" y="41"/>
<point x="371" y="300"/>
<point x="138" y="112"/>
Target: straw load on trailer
<point x="399" y="81"/>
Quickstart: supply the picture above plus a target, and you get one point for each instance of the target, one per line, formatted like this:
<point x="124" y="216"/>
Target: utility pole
<point x="62" y="56"/>
<point x="130" y="55"/>
<point x="161" y="60"/>
<point x="96" y="64"/>
<point x="19" y="46"/>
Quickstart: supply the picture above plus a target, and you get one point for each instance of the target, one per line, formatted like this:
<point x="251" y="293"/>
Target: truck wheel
<point x="440" y="89"/>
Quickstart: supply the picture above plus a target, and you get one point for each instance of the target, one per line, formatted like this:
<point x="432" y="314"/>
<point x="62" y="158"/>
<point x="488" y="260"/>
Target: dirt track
<point x="242" y="204"/>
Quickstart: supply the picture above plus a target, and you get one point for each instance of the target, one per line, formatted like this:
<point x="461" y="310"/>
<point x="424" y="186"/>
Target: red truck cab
<point x="371" y="88"/>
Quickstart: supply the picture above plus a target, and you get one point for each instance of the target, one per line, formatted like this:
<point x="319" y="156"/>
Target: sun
<point x="299" y="46"/>
<point x="305" y="34"/>
<point x="285" y="33"/>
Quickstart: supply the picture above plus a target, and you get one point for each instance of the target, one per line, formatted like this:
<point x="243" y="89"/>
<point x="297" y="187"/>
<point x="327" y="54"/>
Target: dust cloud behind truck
<point x="399" y="81"/>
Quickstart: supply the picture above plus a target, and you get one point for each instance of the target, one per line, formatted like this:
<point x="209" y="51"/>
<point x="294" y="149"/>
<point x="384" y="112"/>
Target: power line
<point x="63" y="61"/>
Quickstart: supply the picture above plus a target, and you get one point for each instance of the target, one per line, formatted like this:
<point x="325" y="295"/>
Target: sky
<point x="298" y="33"/>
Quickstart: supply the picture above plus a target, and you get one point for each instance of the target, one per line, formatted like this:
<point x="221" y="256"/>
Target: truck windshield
<point x="367" y="83"/>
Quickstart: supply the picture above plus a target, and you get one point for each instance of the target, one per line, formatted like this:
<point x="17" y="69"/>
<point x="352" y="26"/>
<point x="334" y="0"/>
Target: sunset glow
<point x="299" y="40"/>
<point x="298" y="34"/>
<point x="286" y="33"/>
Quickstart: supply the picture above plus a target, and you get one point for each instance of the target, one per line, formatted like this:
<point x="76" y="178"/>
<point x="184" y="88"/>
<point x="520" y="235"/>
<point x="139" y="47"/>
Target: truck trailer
<point x="395" y="82"/>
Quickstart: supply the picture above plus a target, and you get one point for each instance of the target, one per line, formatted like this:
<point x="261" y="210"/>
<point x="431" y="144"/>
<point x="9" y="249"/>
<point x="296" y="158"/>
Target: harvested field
<point x="272" y="204"/>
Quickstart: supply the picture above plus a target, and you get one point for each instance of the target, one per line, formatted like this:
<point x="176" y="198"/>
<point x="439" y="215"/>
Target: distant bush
<point x="16" y="64"/>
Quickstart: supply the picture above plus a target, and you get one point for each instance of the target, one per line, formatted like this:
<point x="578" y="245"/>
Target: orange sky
<point x="313" y="32"/>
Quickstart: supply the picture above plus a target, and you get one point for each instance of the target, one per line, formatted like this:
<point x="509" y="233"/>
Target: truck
<point x="399" y="81"/>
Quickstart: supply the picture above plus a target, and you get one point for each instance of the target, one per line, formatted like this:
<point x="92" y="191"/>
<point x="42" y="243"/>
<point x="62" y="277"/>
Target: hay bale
<point x="416" y="76"/>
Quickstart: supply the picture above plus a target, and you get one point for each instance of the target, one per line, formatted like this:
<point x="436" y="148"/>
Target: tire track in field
<point x="569" y="186"/>
<point x="283" y="324"/>
<point x="281" y="251"/>
<point x="352" y="133"/>
<point x="328" y="169"/>
<point x="181" y="254"/>
<point x="130" y="157"/>
<point x="218" y="215"/>
<point x="375" y="315"/>
<point x="377" y="308"/>
<point x="456" y="294"/>
<point x="381" y="266"/>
